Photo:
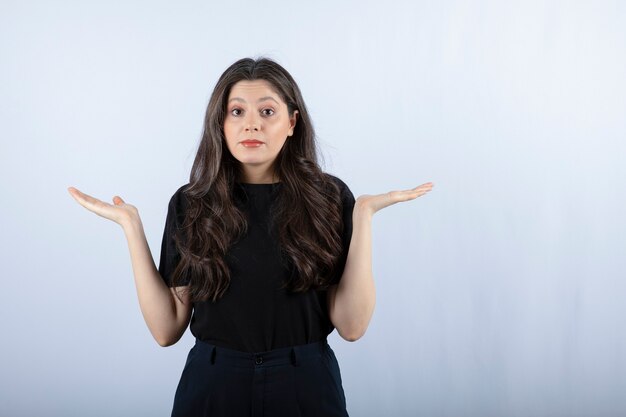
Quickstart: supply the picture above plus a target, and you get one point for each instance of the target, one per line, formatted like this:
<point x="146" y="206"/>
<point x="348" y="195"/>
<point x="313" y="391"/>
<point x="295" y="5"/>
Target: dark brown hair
<point x="308" y="204"/>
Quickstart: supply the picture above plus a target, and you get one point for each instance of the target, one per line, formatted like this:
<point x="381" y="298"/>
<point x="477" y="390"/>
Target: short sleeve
<point x="170" y="257"/>
<point x="347" y="202"/>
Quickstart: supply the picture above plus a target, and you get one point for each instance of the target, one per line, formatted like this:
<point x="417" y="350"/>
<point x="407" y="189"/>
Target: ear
<point x="292" y="122"/>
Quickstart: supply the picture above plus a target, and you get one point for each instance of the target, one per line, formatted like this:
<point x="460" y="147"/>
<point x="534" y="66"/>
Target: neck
<point x="258" y="178"/>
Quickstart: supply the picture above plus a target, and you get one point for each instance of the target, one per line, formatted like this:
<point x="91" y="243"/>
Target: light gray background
<point x="500" y="293"/>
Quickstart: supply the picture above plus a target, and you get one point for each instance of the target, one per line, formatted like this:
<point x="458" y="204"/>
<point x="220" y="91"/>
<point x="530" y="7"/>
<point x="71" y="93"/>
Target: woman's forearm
<point x="355" y="296"/>
<point x="156" y="300"/>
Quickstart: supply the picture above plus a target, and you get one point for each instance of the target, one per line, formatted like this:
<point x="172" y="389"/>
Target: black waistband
<point x="281" y="356"/>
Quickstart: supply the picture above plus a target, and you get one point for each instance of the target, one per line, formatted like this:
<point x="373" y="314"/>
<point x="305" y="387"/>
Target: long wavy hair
<point x="307" y="207"/>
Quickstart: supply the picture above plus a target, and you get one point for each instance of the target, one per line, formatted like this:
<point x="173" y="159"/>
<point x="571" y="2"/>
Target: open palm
<point x="373" y="203"/>
<point x="119" y="211"/>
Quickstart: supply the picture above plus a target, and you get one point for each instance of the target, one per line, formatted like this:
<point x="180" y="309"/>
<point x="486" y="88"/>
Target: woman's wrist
<point x="361" y="211"/>
<point x="131" y="223"/>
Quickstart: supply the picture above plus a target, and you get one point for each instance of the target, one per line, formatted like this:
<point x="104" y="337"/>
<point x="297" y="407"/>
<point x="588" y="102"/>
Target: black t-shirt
<point x="255" y="315"/>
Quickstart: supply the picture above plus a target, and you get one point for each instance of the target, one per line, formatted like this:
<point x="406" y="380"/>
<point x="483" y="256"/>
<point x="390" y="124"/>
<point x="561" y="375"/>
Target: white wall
<point x="500" y="293"/>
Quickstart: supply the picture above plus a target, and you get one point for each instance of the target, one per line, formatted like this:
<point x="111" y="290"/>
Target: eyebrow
<point x="259" y="100"/>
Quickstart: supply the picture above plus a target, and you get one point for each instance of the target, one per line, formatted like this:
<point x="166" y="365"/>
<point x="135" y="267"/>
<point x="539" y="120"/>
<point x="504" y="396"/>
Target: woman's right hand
<point x="120" y="212"/>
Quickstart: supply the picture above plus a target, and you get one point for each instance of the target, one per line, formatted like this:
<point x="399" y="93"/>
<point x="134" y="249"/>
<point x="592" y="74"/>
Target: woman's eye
<point x="268" y="110"/>
<point x="233" y="112"/>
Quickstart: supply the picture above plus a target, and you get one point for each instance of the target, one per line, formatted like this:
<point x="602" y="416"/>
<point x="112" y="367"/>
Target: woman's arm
<point x="166" y="317"/>
<point x="351" y="302"/>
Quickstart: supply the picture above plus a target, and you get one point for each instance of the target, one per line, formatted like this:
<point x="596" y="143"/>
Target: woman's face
<point x="255" y="112"/>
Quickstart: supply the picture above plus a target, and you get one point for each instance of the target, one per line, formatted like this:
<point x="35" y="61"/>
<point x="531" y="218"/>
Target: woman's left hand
<point x="372" y="203"/>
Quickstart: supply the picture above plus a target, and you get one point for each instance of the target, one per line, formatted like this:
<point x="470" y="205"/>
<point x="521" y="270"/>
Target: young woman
<point x="269" y="253"/>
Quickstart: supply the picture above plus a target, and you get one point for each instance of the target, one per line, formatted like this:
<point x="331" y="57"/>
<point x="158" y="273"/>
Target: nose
<point x="252" y="123"/>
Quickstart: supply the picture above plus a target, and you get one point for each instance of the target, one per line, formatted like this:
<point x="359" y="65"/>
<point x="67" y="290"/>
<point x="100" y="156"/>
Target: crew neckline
<point x="258" y="184"/>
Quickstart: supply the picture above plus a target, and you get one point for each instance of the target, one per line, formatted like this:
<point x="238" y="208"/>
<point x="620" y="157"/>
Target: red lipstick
<point x="251" y="143"/>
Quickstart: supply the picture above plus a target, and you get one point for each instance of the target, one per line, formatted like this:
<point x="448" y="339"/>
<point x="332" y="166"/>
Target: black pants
<point x="297" y="381"/>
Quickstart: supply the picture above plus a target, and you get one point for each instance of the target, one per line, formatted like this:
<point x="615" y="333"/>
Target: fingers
<point x="76" y="195"/>
<point x="80" y="196"/>
<point x="410" y="194"/>
<point x="427" y="186"/>
<point x="87" y="201"/>
<point x="424" y="188"/>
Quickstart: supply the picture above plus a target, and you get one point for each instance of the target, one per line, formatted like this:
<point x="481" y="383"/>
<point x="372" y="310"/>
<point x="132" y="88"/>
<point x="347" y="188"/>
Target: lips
<point x="251" y="143"/>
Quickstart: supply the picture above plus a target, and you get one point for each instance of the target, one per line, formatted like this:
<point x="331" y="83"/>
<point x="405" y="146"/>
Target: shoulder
<point x="178" y="200"/>
<point x="338" y="181"/>
<point x="344" y="190"/>
<point x="179" y="194"/>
